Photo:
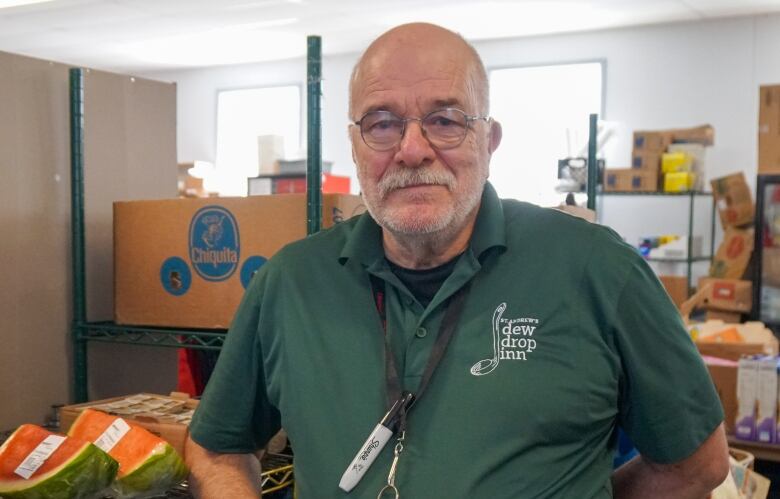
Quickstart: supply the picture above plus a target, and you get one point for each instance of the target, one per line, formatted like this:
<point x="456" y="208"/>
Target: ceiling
<point x="148" y="35"/>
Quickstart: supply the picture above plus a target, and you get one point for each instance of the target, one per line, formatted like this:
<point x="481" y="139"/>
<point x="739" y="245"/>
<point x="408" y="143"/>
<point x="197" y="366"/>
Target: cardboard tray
<point x="174" y="433"/>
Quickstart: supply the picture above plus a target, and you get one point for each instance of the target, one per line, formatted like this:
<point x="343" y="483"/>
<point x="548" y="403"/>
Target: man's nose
<point x="414" y="150"/>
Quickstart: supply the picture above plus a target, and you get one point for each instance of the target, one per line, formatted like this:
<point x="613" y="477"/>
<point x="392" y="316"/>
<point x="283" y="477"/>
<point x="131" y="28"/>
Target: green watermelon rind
<point x="86" y="473"/>
<point x="160" y="471"/>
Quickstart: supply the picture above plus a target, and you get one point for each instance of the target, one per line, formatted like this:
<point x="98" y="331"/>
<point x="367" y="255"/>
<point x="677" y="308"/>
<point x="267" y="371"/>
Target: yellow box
<point x="673" y="162"/>
<point x="678" y="182"/>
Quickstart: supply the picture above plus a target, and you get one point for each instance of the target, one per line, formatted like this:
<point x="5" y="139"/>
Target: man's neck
<point x="425" y="251"/>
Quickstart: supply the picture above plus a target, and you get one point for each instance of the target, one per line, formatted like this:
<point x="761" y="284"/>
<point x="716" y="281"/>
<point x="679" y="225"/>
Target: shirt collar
<point x="364" y="243"/>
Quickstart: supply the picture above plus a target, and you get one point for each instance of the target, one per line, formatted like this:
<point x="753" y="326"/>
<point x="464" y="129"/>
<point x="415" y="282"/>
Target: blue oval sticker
<point x="250" y="268"/>
<point x="175" y="276"/>
<point x="214" y="243"/>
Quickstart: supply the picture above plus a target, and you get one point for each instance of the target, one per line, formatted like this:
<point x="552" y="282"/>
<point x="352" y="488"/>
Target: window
<point x="544" y="113"/>
<point x="242" y="116"/>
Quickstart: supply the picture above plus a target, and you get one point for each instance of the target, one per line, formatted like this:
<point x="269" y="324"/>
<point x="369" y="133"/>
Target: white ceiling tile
<point x="150" y="34"/>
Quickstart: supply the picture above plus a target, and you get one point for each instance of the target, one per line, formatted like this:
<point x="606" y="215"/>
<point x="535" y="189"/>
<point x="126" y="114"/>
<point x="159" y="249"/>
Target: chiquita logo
<point x="214" y="243"/>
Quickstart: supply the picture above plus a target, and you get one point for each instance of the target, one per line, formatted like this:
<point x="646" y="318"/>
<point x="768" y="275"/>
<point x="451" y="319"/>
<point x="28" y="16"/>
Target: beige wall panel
<point x="35" y="193"/>
<point x="129" y="153"/>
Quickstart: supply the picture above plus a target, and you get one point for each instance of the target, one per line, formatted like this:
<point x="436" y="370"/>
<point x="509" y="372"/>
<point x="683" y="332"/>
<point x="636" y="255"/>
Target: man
<point x="526" y="335"/>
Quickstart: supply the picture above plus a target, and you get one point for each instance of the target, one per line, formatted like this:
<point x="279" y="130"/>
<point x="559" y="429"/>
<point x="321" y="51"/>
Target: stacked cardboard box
<point x="722" y="346"/>
<point x="724" y="376"/>
<point x="757" y="397"/>
<point x="769" y="130"/>
<point x="295" y="183"/>
<point x="649" y="147"/>
<point x="729" y="296"/>
<point x="187" y="262"/>
<point x="726" y="299"/>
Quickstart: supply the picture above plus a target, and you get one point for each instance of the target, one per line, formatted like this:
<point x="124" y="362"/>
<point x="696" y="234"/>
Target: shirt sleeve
<point x="668" y="404"/>
<point x="235" y="414"/>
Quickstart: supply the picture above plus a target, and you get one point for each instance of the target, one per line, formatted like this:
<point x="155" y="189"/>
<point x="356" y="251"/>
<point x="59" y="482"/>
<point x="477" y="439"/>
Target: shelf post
<point x="692" y="198"/>
<point x="712" y="230"/>
<point x="314" y="135"/>
<point x="77" y="233"/>
<point x="593" y="167"/>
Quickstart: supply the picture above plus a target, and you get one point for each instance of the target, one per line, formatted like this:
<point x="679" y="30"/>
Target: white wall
<point x="673" y="75"/>
<point x="197" y="111"/>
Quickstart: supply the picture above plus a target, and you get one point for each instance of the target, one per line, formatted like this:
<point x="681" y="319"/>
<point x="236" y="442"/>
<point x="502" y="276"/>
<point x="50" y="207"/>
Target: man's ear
<point x="352" y="144"/>
<point x="494" y="137"/>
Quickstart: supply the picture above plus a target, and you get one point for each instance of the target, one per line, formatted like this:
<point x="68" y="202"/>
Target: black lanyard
<point x="452" y="311"/>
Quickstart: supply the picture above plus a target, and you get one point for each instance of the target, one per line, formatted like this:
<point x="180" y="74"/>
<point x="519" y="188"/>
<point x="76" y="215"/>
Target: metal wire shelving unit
<point x="691" y="232"/>
<point x="280" y="468"/>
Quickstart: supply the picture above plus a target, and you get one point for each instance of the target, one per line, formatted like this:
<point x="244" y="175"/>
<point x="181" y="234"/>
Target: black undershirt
<point x="424" y="283"/>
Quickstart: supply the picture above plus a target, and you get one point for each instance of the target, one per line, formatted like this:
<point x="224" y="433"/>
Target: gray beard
<point x="435" y="233"/>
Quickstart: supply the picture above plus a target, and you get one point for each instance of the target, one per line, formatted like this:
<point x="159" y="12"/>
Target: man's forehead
<point x="441" y="76"/>
<point x="418" y="62"/>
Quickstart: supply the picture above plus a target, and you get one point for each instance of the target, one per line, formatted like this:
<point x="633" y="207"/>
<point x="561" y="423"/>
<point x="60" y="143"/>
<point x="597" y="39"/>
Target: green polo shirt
<point x="565" y="334"/>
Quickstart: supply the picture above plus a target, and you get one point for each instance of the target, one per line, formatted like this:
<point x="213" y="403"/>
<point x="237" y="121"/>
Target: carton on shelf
<point x="269" y="149"/>
<point x="630" y="180"/>
<point x="169" y="420"/>
<point x="747" y="396"/>
<point x="734" y="295"/>
<point x="703" y="134"/>
<point x="646" y="160"/>
<point x="679" y="181"/>
<point x="295" y="184"/>
<point x="713" y="314"/>
<point x="189" y="186"/>
<point x="659" y="140"/>
<point x="731" y="341"/>
<point x="734" y="200"/>
<point x="186" y="262"/>
<point x="299" y="166"/>
<point x="766" y="407"/>
<point x="733" y="255"/>
<point x="698" y="154"/>
<point x="677" y="161"/>
<point x="676" y="286"/>
<point x="769" y="130"/>
<point x="678" y="248"/>
<point x="724" y="376"/>
<point x="651" y="141"/>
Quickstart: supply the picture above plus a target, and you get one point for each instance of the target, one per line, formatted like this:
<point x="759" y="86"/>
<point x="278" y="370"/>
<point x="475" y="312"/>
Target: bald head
<point x="417" y="45"/>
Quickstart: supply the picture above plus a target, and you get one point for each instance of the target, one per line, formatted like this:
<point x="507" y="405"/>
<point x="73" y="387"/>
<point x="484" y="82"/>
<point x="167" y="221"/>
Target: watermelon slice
<point x="147" y="463"/>
<point x="75" y="468"/>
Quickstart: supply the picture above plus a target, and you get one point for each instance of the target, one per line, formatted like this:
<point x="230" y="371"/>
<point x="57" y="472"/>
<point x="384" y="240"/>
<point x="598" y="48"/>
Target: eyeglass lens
<point x="443" y="128"/>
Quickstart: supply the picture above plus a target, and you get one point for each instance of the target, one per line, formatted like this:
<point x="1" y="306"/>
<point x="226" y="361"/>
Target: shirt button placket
<point x="421" y="332"/>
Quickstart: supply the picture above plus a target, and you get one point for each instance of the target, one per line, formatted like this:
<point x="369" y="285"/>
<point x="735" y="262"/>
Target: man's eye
<point x="442" y="121"/>
<point x="384" y="125"/>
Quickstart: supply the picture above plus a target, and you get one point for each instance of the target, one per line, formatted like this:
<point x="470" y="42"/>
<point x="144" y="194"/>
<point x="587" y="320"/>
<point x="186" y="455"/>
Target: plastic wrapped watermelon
<point x="36" y="463"/>
<point x="148" y="464"/>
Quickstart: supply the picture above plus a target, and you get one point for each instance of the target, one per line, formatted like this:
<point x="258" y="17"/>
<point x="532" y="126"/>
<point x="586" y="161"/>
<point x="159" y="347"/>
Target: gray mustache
<point x="405" y="177"/>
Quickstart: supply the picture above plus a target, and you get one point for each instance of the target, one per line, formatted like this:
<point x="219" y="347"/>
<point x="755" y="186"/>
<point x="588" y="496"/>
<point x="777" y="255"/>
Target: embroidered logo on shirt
<point x="512" y="340"/>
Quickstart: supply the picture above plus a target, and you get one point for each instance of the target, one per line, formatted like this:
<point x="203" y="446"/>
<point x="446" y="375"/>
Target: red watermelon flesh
<point x="75" y="469"/>
<point x="147" y="463"/>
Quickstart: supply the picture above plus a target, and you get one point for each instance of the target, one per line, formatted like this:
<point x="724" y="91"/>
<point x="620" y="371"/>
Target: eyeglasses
<point x="444" y="128"/>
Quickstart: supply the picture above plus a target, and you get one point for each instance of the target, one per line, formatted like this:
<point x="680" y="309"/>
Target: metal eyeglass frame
<point x="469" y="120"/>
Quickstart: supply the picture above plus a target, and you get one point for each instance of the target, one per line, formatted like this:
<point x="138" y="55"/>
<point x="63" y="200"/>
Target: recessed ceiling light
<point x="4" y="4"/>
